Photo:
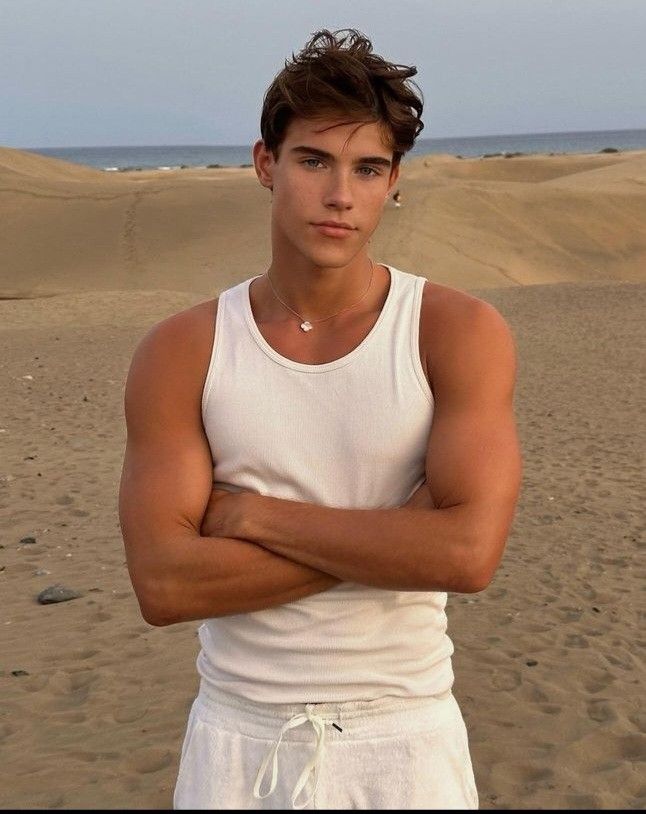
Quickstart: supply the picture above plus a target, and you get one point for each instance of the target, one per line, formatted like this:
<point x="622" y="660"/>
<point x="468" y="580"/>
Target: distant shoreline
<point x="160" y="158"/>
<point x="178" y="167"/>
<point x="499" y="154"/>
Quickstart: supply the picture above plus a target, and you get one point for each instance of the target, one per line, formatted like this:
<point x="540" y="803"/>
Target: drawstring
<point x="319" y="724"/>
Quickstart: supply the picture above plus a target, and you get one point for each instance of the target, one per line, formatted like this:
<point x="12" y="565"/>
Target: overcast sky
<point x="143" y="72"/>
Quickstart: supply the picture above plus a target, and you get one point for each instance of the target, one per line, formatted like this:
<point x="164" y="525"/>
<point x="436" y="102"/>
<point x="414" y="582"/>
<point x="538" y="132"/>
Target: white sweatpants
<point x="390" y="753"/>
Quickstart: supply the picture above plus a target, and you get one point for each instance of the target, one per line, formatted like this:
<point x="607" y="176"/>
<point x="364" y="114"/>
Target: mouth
<point x="332" y="229"/>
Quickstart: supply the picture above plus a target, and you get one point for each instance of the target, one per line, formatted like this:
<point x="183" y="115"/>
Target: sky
<point x="144" y="72"/>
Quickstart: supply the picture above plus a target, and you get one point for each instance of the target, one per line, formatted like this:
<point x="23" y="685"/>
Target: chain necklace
<point x="306" y="324"/>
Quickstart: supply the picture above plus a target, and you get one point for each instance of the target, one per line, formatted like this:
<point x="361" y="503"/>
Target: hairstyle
<point x="329" y="76"/>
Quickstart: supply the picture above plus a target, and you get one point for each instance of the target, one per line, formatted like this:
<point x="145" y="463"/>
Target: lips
<point x="333" y="231"/>
<point x="335" y="224"/>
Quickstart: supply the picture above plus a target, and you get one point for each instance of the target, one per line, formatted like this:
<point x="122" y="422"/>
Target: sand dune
<point x="467" y="223"/>
<point x="527" y="168"/>
<point x="549" y="658"/>
<point x="24" y="165"/>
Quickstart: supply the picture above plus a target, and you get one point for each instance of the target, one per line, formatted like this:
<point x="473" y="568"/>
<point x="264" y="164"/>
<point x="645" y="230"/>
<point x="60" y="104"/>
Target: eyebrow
<point x="369" y="159"/>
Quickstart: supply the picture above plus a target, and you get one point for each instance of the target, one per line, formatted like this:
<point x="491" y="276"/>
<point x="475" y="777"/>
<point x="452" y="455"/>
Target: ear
<point x="394" y="177"/>
<point x="263" y="161"/>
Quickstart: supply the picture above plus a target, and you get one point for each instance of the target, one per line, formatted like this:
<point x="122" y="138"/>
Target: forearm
<point x="204" y="577"/>
<point x="398" y="549"/>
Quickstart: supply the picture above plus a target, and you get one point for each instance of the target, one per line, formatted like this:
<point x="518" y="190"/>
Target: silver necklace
<point x="306" y="324"/>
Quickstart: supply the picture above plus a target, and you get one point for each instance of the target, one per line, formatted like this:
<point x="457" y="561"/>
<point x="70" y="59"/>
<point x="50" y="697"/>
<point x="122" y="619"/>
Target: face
<point x="328" y="170"/>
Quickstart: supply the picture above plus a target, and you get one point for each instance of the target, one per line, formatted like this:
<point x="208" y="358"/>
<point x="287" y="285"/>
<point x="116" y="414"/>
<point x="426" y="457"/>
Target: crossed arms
<point x="195" y="553"/>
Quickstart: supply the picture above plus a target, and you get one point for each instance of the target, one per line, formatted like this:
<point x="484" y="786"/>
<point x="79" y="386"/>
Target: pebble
<point x="28" y="540"/>
<point x="57" y="593"/>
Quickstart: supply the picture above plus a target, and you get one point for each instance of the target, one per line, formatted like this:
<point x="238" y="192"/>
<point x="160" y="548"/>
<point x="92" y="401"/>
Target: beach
<point x="549" y="658"/>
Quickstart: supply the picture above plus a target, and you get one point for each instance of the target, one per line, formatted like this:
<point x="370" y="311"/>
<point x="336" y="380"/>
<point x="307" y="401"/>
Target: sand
<point x="549" y="659"/>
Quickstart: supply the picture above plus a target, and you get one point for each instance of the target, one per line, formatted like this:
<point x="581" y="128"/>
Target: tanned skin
<point x="195" y="552"/>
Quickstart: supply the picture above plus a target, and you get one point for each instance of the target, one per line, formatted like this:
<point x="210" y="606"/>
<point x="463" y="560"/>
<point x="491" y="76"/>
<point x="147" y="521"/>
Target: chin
<point x="331" y="262"/>
<point x="340" y="251"/>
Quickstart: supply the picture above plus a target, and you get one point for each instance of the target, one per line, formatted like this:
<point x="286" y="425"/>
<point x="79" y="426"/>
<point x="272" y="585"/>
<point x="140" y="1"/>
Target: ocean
<point x="175" y="156"/>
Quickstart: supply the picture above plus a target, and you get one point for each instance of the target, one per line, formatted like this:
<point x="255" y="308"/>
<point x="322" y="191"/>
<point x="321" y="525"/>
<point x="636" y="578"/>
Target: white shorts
<point x="390" y="753"/>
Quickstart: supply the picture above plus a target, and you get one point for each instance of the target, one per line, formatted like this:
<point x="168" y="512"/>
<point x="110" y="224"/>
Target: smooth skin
<point x="194" y="552"/>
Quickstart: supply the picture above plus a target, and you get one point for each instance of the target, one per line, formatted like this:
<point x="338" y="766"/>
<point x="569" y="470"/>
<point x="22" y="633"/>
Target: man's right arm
<point x="166" y="482"/>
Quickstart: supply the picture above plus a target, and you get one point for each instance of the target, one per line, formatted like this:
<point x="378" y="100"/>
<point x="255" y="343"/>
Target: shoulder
<point x="175" y="351"/>
<point x="186" y="331"/>
<point x="447" y="309"/>
<point x="461" y="333"/>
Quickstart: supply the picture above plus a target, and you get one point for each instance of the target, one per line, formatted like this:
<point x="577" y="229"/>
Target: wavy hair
<point x="340" y="76"/>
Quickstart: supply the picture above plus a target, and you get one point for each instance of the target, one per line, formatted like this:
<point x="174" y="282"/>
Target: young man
<point x="313" y="461"/>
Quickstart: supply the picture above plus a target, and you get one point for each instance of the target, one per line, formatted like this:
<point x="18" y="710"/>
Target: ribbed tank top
<point x="351" y="433"/>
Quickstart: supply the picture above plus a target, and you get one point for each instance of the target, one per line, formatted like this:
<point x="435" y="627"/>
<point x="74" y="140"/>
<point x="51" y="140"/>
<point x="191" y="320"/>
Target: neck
<point x="318" y="292"/>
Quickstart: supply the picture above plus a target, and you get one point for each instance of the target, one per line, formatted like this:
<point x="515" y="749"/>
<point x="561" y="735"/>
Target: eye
<point x="311" y="159"/>
<point x="372" y="170"/>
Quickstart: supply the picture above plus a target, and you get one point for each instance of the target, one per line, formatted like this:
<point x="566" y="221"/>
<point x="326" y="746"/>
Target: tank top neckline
<point x="335" y="363"/>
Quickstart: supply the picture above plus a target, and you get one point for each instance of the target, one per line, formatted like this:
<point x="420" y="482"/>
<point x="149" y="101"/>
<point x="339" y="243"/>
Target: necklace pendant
<point x="306" y="326"/>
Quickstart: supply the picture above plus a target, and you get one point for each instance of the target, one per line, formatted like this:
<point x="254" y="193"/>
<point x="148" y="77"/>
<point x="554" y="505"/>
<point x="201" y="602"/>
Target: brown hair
<point x="330" y="77"/>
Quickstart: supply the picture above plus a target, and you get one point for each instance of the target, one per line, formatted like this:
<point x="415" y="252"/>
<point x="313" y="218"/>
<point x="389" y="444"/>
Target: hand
<point x="421" y="498"/>
<point x="223" y="514"/>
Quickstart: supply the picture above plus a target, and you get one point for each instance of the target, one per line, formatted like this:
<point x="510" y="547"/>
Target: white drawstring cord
<point x="319" y="724"/>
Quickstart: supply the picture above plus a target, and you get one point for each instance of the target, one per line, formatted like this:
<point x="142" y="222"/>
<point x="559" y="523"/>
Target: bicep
<point x="473" y="458"/>
<point x="166" y="479"/>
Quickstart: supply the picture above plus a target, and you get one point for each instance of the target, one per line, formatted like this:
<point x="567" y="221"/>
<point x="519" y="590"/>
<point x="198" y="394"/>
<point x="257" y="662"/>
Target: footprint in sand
<point x="150" y="760"/>
<point x="537" y="695"/>
<point x="505" y="679"/>
<point x="625" y="663"/>
<point x="632" y="747"/>
<point x="35" y="683"/>
<point x="101" y="616"/>
<point x="70" y="690"/>
<point x="595" y="681"/>
<point x="569" y="614"/>
<point x="601" y="711"/>
<point x="576" y="640"/>
<point x="639" y="720"/>
<point x="126" y="715"/>
<point x="550" y="709"/>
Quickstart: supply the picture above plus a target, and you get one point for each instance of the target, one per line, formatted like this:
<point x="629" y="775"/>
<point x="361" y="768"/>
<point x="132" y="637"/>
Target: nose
<point x="338" y="194"/>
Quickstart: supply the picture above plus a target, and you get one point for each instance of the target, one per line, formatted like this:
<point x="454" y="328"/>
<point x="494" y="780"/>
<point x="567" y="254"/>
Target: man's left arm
<point x="454" y="540"/>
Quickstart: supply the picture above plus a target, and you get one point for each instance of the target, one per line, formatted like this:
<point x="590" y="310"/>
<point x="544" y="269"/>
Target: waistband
<point x="380" y="717"/>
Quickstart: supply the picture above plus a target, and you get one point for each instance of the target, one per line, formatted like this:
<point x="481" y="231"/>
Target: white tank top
<point x="351" y="433"/>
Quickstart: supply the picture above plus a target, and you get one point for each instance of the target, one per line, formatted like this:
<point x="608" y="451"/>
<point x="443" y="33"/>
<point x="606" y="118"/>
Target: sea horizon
<point x="114" y="158"/>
